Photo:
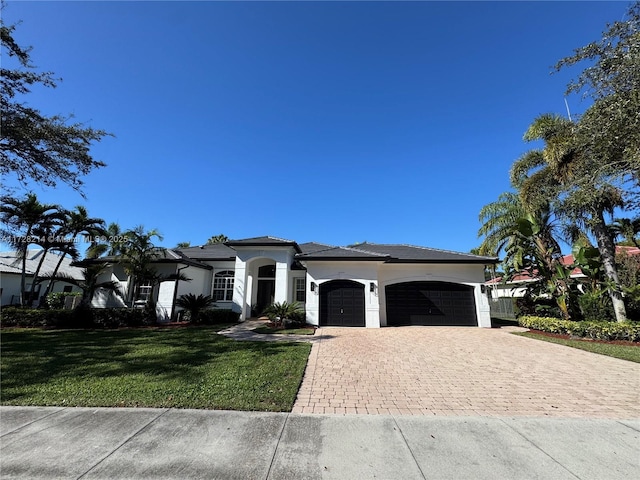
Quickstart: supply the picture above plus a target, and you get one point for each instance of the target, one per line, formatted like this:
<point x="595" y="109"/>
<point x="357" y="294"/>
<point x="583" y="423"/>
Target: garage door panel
<point x="342" y="304"/>
<point x="430" y="303"/>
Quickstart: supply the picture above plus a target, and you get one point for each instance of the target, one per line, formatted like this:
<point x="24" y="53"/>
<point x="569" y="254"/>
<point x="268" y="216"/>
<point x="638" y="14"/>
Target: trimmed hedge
<point x="94" y="318"/>
<point x="594" y="330"/>
<point x="212" y="317"/>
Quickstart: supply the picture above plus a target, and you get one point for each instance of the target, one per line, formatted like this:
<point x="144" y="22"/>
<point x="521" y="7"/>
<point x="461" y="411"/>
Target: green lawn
<point x="625" y="352"/>
<point x="284" y="331"/>
<point x="181" y="367"/>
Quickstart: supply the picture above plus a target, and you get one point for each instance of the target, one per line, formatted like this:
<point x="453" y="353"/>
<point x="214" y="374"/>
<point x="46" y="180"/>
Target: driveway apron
<point x="462" y="371"/>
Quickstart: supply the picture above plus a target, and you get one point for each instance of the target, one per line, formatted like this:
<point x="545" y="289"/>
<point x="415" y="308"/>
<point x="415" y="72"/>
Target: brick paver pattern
<point x="462" y="371"/>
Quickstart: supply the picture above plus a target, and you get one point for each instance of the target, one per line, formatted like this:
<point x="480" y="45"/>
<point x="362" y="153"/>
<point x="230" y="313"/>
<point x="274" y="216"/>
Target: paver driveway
<point x="462" y="371"/>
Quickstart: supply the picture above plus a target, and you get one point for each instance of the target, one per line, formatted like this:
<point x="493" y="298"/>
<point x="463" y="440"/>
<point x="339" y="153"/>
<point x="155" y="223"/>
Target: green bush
<point x="56" y="300"/>
<point x="594" y="330"/>
<point x="540" y="307"/>
<point x="596" y="307"/>
<point x="30" y="317"/>
<point x="79" y="318"/>
<point x="212" y="317"/>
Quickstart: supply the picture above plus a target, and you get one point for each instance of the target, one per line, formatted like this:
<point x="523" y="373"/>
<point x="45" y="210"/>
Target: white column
<point x="282" y="283"/>
<point x="239" y="284"/>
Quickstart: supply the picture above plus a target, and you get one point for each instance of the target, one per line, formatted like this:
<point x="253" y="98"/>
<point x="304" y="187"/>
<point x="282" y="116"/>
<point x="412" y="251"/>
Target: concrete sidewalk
<point x="90" y="443"/>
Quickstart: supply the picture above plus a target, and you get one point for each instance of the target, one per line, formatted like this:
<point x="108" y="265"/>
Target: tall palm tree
<point x="566" y="171"/>
<point x="137" y="253"/>
<point x="21" y="217"/>
<point x="109" y="243"/>
<point x="76" y="222"/>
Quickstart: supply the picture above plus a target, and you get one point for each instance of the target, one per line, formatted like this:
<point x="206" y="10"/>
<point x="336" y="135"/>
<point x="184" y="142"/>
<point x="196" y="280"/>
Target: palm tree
<point x="217" y="239"/>
<point x="628" y="229"/>
<point x="90" y="283"/>
<point x="280" y="313"/>
<point x="21" y="217"/>
<point x="109" y="243"/>
<point x="183" y="245"/>
<point x="76" y="222"/>
<point x="194" y="305"/>
<point x="498" y="219"/>
<point x="566" y="171"/>
<point x="137" y="253"/>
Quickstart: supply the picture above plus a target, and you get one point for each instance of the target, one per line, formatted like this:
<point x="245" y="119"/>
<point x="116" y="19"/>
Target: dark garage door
<point x="430" y="303"/>
<point x="342" y="304"/>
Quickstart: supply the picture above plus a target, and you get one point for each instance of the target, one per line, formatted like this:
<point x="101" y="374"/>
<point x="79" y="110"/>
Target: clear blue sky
<point x="315" y="121"/>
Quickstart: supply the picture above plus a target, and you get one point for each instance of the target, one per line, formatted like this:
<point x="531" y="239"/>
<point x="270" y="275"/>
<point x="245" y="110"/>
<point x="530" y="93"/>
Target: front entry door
<point x="266" y="294"/>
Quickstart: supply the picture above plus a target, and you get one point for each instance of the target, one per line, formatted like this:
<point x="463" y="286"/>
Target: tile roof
<point x="216" y="251"/>
<point x="388" y="253"/>
<point x="411" y="253"/>
<point x="340" y="253"/>
<point x="10" y="264"/>
<point x="265" y="241"/>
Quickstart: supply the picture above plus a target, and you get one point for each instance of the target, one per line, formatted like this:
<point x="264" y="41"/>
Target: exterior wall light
<point x="313" y="287"/>
<point x="372" y="287"/>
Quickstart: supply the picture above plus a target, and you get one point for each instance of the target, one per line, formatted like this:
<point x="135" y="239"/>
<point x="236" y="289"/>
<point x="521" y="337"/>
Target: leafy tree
<point x="22" y="218"/>
<point x="194" y="304"/>
<point x="183" y="245"/>
<point x="610" y="127"/>
<point x="217" y="239"/>
<point x="567" y="171"/>
<point x="34" y="146"/>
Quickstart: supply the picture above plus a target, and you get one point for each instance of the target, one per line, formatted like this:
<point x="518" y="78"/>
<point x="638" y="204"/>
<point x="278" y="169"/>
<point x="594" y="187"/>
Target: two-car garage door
<point x="430" y="303"/>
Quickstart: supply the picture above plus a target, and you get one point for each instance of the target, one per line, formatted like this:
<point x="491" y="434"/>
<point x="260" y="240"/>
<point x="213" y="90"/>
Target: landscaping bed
<point x="272" y="328"/>
<point x="186" y="367"/>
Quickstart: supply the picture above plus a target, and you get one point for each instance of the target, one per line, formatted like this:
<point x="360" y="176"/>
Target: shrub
<point x="596" y="307"/>
<point x="56" y="300"/>
<point x="213" y="317"/>
<point x="29" y="317"/>
<point x="540" y="307"/>
<point x="284" y="313"/>
<point x="194" y="305"/>
<point x="594" y="330"/>
<point x="78" y="318"/>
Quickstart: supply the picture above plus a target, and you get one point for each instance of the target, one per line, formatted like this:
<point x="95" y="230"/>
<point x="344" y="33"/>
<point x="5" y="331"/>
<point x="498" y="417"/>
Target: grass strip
<point x="624" y="352"/>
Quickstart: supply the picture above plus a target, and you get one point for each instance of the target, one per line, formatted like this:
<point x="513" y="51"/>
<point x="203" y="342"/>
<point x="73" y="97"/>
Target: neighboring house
<point x="11" y="272"/>
<point x="517" y="286"/>
<point x="368" y="285"/>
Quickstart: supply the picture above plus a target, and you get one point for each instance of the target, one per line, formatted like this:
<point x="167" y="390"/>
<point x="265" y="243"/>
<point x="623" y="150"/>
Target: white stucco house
<point x="368" y="285"/>
<point x="11" y="274"/>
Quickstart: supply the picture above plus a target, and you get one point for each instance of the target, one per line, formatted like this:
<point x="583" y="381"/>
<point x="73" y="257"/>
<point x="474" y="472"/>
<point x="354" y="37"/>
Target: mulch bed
<point x="569" y="337"/>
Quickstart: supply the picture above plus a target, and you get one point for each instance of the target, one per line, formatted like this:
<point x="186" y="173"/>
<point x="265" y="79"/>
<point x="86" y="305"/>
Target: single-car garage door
<point x="430" y="303"/>
<point x="342" y="304"/>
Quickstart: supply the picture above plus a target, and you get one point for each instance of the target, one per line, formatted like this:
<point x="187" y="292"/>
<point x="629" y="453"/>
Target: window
<point x="300" y="293"/>
<point x="223" y="286"/>
<point x="67" y="289"/>
<point x="144" y="292"/>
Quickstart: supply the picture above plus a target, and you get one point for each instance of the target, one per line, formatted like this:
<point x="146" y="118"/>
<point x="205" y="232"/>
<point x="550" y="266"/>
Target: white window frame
<point x="226" y="278"/>
<point x="296" y="289"/>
